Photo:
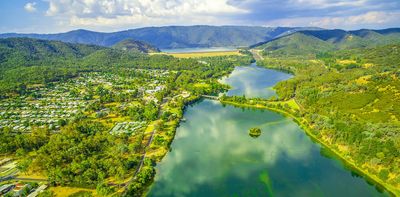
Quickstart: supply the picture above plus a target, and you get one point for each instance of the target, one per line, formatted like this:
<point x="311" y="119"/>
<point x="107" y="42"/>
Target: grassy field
<point x="292" y="103"/>
<point x="32" y="175"/>
<point x="67" y="191"/>
<point x="204" y="54"/>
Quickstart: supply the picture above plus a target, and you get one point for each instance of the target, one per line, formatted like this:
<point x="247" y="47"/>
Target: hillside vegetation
<point x="135" y="46"/>
<point x="26" y="61"/>
<point x="350" y="98"/>
<point x="33" y="52"/>
<point x="308" y="44"/>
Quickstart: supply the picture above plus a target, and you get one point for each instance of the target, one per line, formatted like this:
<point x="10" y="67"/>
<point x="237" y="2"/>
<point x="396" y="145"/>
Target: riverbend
<point x="213" y="155"/>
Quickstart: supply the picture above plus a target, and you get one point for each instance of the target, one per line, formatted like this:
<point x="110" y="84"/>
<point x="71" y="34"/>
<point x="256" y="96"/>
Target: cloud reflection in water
<point x="214" y="144"/>
<point x="213" y="155"/>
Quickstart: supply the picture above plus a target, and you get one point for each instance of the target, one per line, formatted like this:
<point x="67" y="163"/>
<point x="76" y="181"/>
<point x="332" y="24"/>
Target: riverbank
<point x="188" y="148"/>
<point x="308" y="130"/>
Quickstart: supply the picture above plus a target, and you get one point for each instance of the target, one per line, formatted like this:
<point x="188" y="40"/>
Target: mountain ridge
<point x="172" y="36"/>
<point x="135" y="46"/>
<point x="327" y="40"/>
<point x="35" y="51"/>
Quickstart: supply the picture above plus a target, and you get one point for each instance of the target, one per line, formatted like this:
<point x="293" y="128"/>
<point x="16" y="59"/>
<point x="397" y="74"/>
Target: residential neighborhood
<point x="127" y="103"/>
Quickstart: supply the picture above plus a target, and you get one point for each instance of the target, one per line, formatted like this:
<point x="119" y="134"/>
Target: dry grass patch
<point x="346" y="62"/>
<point x="291" y="103"/>
<point x="367" y="65"/>
<point x="363" y="80"/>
<point x="67" y="191"/>
<point x="205" y="54"/>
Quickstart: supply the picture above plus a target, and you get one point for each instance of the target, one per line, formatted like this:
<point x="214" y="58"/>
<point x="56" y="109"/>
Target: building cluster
<point x="127" y="127"/>
<point x="19" y="189"/>
<point x="11" y="187"/>
<point x="47" y="107"/>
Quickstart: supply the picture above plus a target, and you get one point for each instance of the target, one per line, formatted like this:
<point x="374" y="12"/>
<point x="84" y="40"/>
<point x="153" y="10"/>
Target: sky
<point x="52" y="16"/>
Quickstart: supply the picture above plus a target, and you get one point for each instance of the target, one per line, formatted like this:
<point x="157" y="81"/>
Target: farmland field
<point x="204" y="54"/>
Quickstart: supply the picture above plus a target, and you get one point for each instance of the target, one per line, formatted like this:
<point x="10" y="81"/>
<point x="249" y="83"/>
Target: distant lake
<point x="192" y="50"/>
<point x="253" y="81"/>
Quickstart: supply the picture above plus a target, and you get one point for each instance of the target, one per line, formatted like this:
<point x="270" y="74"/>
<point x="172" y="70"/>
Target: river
<point x="213" y="155"/>
<point x="253" y="81"/>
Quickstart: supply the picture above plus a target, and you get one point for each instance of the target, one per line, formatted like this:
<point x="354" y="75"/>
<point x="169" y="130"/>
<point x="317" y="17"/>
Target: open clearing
<point x="67" y="191"/>
<point x="204" y="54"/>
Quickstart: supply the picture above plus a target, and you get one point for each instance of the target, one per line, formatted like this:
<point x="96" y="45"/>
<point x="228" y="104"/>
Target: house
<point x="19" y="188"/>
<point x="156" y="89"/>
<point x="37" y="191"/>
<point x="6" y="188"/>
<point x="185" y="94"/>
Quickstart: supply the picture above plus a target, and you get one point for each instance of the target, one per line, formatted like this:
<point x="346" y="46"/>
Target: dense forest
<point x="307" y="44"/>
<point x="135" y="46"/>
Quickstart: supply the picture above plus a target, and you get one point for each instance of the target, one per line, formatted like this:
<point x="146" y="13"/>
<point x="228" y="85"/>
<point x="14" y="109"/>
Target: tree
<point x="150" y="111"/>
<point x="46" y="193"/>
<point x="24" y="164"/>
<point x="254" y="132"/>
<point x="104" y="190"/>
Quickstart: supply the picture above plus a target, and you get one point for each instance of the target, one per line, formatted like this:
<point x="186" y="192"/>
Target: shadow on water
<point x="353" y="171"/>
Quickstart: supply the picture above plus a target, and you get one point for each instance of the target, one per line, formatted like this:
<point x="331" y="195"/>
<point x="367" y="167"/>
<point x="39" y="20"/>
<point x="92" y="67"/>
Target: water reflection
<point x="253" y="81"/>
<point x="220" y="147"/>
<point x="212" y="155"/>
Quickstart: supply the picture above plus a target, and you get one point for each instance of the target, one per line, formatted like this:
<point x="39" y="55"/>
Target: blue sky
<point x="50" y="16"/>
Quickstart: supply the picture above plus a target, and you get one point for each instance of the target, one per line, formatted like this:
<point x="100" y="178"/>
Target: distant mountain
<point x="173" y="36"/>
<point x="311" y="42"/>
<point x="359" y="38"/>
<point x="135" y="46"/>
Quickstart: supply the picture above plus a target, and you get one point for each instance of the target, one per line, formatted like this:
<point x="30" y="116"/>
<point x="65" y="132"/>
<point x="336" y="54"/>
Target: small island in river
<point x="255" y="132"/>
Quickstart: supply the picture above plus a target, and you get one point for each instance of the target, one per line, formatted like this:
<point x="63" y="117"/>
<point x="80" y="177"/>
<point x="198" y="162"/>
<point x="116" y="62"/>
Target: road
<point x="30" y="179"/>
<point x="210" y="97"/>
<point x="141" y="161"/>
<point x="256" y="54"/>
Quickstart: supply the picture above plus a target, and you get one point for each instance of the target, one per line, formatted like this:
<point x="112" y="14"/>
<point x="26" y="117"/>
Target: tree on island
<point x="255" y="132"/>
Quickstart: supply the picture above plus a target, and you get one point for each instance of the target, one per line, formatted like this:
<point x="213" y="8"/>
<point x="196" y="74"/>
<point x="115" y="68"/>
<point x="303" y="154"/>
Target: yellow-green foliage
<point x="351" y="98"/>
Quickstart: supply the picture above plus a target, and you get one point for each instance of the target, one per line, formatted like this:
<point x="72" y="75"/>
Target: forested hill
<point x="172" y="36"/>
<point x="16" y="52"/>
<point x="26" y="61"/>
<point x="135" y="46"/>
<point x="313" y="42"/>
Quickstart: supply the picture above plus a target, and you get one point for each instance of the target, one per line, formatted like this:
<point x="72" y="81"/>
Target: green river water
<point x="213" y="155"/>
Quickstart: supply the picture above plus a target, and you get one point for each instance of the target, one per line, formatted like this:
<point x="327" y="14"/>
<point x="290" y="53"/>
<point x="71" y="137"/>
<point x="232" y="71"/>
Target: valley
<point x="128" y="120"/>
<point x="222" y="159"/>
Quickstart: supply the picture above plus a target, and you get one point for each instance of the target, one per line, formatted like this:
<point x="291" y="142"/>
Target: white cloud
<point x="371" y="19"/>
<point x="120" y="13"/>
<point x="30" y="7"/>
<point x="113" y="15"/>
<point x="321" y="4"/>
